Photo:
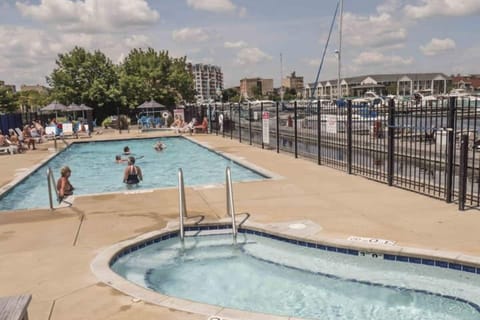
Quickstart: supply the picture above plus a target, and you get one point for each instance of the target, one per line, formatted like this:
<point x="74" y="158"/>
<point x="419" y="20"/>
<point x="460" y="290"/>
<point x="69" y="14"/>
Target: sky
<point x="246" y="38"/>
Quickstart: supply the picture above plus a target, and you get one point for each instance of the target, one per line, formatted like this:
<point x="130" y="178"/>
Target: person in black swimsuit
<point x="132" y="173"/>
<point x="64" y="187"/>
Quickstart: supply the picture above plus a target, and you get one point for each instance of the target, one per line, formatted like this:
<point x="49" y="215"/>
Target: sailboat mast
<point x="340" y="26"/>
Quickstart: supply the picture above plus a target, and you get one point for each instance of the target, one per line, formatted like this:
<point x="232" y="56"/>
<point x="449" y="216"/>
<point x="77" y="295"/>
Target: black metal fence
<point x="430" y="147"/>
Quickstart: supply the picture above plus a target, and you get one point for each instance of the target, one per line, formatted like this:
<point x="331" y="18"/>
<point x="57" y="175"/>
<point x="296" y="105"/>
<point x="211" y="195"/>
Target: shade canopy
<point x="54" y="106"/>
<point x="152" y="104"/>
<point x="76" y="107"/>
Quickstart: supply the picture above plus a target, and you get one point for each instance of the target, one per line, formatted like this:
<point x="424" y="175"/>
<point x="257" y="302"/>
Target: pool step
<point x="194" y="233"/>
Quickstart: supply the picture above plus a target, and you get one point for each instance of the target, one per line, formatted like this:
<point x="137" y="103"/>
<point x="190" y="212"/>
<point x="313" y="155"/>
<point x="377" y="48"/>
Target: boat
<point x="370" y="98"/>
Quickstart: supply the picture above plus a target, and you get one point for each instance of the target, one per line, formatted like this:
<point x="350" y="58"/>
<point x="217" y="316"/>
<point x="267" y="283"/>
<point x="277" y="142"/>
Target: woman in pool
<point x="126" y="150"/>
<point x="132" y="174"/>
<point x="64" y="186"/>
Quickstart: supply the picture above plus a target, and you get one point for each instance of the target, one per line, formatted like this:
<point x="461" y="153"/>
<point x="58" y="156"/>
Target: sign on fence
<point x="266" y="127"/>
<point x="180" y="113"/>
<point x="331" y="123"/>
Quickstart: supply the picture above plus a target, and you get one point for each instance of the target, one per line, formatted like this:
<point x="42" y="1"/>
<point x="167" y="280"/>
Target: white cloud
<point x="91" y="16"/>
<point x="212" y="5"/>
<point x="248" y="56"/>
<point x="378" y="59"/>
<point x="429" y="8"/>
<point x="379" y="31"/>
<point x="137" y="41"/>
<point x="437" y="46"/>
<point x="238" y="44"/>
<point x="190" y="35"/>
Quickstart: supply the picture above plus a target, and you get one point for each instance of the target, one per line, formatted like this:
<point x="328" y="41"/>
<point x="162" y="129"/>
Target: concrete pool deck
<point x="48" y="253"/>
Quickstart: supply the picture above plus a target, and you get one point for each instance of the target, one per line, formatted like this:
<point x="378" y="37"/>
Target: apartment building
<point x="293" y="82"/>
<point x="208" y="81"/>
<point x="251" y="87"/>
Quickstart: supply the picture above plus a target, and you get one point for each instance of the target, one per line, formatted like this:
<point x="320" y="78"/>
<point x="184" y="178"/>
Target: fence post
<point x="223" y="120"/>
<point x="349" y="136"/>
<point x="295" y="128"/>
<point x="450" y="148"/>
<point x="261" y="124"/>
<point x="462" y="194"/>
<point x="239" y="124"/>
<point x="209" y="112"/>
<point x="278" y="129"/>
<point x="319" y="135"/>
<point x="391" y="141"/>
<point x="231" y="122"/>
<point x="250" y="122"/>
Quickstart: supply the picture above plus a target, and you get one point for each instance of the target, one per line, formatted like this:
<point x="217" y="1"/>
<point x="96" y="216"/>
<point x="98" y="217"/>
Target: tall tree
<point x="146" y="75"/>
<point x="85" y="77"/>
<point x="8" y="102"/>
<point x="32" y="100"/>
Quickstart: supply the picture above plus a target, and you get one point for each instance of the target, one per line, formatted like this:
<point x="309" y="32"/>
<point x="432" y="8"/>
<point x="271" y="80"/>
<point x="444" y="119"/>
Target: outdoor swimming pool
<point x="262" y="274"/>
<point x="94" y="169"/>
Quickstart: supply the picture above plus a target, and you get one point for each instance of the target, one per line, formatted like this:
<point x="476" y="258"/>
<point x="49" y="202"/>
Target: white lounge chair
<point x="67" y="130"/>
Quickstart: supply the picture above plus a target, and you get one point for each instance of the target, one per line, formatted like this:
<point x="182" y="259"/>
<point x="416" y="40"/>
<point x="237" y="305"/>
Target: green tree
<point x="230" y="95"/>
<point x="85" y="77"/>
<point x="32" y="100"/>
<point x="8" y="102"/>
<point x="151" y="74"/>
<point x="290" y="94"/>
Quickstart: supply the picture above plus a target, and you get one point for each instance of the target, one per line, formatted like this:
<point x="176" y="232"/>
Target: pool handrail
<point x="51" y="181"/>
<point x="230" y="203"/>
<point x="181" y="203"/>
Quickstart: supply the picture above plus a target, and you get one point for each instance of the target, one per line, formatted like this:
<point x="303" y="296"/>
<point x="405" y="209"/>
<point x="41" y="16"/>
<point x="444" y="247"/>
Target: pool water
<point x="94" y="169"/>
<point x="268" y="276"/>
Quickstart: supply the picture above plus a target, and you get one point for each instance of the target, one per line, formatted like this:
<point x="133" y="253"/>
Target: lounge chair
<point x="202" y="128"/>
<point x="12" y="147"/>
<point x="50" y="132"/>
<point x="67" y="130"/>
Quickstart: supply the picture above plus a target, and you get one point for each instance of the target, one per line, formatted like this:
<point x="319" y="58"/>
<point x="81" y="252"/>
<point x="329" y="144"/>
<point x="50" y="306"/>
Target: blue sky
<point x="245" y="37"/>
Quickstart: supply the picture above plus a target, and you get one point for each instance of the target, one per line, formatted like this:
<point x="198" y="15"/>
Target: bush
<point x="107" y="122"/>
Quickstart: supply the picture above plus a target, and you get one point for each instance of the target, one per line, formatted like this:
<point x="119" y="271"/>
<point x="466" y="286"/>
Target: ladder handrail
<point x="51" y="181"/>
<point x="230" y="203"/>
<point x="181" y="202"/>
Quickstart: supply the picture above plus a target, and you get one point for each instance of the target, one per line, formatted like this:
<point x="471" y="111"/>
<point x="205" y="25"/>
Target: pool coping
<point x="100" y="266"/>
<point x="266" y="174"/>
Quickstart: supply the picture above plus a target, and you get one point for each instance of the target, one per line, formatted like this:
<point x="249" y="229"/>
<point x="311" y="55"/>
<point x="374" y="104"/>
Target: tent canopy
<point x="152" y="104"/>
<point x="54" y="106"/>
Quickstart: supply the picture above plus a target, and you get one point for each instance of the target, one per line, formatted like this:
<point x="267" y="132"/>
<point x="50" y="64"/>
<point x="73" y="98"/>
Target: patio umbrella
<point x="152" y="104"/>
<point x="54" y="106"/>
<point x="75" y="107"/>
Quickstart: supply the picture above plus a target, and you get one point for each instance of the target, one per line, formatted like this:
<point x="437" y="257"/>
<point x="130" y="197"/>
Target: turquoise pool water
<point x="269" y="276"/>
<point x="95" y="171"/>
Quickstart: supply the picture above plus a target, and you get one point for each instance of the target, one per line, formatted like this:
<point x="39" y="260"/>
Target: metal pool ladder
<point x="230" y="203"/>
<point x="181" y="202"/>
<point x="51" y="182"/>
<point x="183" y="208"/>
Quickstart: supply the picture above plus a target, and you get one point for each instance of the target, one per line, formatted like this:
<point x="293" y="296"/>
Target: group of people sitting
<point x="25" y="139"/>
<point x="180" y="126"/>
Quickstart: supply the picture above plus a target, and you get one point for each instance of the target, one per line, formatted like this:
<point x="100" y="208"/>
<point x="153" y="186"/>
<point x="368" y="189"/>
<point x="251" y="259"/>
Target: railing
<point x="51" y="183"/>
<point x="230" y="203"/>
<point x="181" y="203"/>
<point x="410" y="145"/>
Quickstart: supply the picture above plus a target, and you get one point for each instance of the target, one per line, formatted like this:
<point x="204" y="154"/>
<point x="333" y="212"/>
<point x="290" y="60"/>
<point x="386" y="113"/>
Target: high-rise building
<point x="208" y="81"/>
<point x="251" y="87"/>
